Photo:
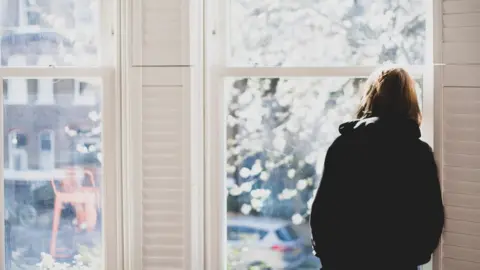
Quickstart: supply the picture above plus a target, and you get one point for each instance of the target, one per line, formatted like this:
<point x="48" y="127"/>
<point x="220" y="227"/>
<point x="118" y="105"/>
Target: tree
<point x="278" y="129"/>
<point x="65" y="32"/>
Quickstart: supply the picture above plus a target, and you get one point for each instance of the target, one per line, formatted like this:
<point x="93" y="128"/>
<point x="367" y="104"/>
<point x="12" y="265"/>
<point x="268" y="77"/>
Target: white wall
<point x="460" y="130"/>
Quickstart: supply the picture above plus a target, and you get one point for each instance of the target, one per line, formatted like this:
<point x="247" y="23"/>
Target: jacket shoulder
<point x="425" y="148"/>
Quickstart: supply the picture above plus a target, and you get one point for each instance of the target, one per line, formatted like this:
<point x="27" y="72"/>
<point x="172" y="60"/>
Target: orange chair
<point x="84" y="199"/>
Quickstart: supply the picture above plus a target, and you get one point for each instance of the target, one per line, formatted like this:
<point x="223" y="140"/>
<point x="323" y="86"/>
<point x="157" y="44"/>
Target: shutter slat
<point x="166" y="240"/>
<point x="159" y="216"/>
<point x="461" y="20"/>
<point x="465" y="148"/>
<point x="162" y="230"/>
<point x="462" y="240"/>
<point x="463" y="227"/>
<point x="163" y="206"/>
<point x="168" y="251"/>
<point x="159" y="263"/>
<point x="464" y="199"/>
<point x="461" y="135"/>
<point x="461" y="75"/>
<point x="462" y="161"/>
<point x="465" y="254"/>
<point x="464" y="214"/>
<point x="466" y="94"/>
<point x="452" y="264"/>
<point x="462" y="121"/>
<point x="162" y="183"/>
<point x="460" y="174"/>
<point x="162" y="195"/>
<point x="461" y="6"/>
<point x="459" y="187"/>
<point x="152" y="77"/>
<point x="462" y="34"/>
<point x="461" y="53"/>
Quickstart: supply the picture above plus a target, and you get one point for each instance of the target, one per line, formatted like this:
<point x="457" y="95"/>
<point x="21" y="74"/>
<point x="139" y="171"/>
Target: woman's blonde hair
<point x="390" y="93"/>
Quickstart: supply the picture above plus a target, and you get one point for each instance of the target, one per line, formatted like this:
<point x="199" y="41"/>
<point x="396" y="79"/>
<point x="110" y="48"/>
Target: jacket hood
<point x="395" y="127"/>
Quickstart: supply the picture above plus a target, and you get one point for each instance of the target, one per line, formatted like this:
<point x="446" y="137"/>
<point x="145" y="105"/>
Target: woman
<point x="379" y="204"/>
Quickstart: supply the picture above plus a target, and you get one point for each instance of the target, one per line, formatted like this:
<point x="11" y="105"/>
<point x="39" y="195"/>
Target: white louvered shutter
<point x="160" y="96"/>
<point x="164" y="182"/>
<point x="461" y="134"/>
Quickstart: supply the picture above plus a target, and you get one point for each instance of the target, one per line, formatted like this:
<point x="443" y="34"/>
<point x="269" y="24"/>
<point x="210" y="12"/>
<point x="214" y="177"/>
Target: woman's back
<point x="371" y="208"/>
<point x="379" y="202"/>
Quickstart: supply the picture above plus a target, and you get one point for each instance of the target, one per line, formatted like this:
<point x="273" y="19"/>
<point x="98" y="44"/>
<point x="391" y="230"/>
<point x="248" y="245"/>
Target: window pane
<point x="326" y="32"/>
<point x="49" y="32"/>
<point x="286" y="234"/>
<point x="45" y="142"/>
<point x="52" y="191"/>
<point x="278" y="131"/>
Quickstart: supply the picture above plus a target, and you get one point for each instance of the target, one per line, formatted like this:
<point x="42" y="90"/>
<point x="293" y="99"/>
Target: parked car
<point x="263" y="243"/>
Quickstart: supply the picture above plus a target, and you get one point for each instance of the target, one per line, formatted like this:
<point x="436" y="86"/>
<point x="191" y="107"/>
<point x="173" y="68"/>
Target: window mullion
<point x="111" y="189"/>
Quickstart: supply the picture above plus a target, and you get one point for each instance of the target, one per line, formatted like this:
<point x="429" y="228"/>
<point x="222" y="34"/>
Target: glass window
<point x="278" y="131"/>
<point x="286" y="234"/>
<point x="45" y="141"/>
<point x="54" y="205"/>
<point x="17" y="153"/>
<point x="47" y="27"/>
<point x="30" y="11"/>
<point x="46" y="159"/>
<point x="292" y="72"/>
<point x="326" y="33"/>
<point x="32" y="90"/>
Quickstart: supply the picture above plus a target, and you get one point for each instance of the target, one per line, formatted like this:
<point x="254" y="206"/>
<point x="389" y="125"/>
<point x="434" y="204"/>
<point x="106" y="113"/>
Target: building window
<point x="29" y="13"/>
<point x="85" y="93"/>
<point x="17" y="152"/>
<point x="286" y="77"/>
<point x="46" y="158"/>
<point x="32" y="90"/>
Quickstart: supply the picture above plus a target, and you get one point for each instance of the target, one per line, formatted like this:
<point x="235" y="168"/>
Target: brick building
<point x="43" y="116"/>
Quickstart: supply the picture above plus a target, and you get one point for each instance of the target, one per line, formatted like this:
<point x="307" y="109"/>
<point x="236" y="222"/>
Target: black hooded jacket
<point x="379" y="202"/>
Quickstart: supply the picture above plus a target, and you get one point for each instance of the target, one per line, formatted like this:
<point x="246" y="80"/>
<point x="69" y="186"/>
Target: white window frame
<point x="107" y="71"/>
<point x="215" y="41"/>
<point x="51" y="159"/>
